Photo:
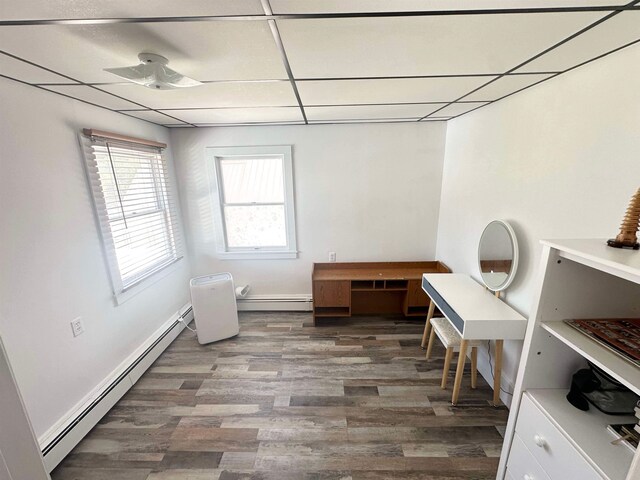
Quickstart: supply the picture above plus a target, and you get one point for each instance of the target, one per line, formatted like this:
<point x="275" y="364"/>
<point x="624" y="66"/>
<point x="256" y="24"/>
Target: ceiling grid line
<point x="283" y="54"/>
<point x="315" y="16"/>
<point x="318" y="103"/>
<point x="80" y="83"/>
<point x="546" y="79"/>
<point x="544" y="52"/>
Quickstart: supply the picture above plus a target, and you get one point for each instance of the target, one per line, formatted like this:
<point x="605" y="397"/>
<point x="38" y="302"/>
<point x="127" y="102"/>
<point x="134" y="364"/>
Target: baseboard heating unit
<point x="66" y="434"/>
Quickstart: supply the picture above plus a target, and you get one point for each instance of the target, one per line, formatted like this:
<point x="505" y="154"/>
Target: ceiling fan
<point x="153" y="72"/>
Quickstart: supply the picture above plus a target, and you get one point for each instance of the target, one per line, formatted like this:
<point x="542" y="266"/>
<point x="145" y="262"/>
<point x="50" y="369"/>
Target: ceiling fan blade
<point x="142" y="74"/>
<point x="154" y="75"/>
<point x="174" y="79"/>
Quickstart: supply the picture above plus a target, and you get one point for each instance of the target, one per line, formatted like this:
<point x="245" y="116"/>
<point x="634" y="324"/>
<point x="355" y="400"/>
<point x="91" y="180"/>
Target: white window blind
<point x="135" y="209"/>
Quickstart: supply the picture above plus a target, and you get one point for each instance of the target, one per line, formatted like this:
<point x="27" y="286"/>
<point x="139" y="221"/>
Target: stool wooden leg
<point x="427" y="324"/>
<point x="459" y="371"/>
<point x="447" y="364"/>
<point x="497" y="373"/>
<point x="432" y="339"/>
<point x="474" y="367"/>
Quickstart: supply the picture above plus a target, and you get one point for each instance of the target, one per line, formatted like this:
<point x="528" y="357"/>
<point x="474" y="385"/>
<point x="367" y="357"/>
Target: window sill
<point x="261" y="255"/>
<point x="146" y="282"/>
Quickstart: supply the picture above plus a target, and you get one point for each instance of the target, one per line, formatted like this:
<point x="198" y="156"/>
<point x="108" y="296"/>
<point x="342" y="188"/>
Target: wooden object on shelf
<point x="579" y="278"/>
<point x="627" y="238"/>
<point x="371" y="288"/>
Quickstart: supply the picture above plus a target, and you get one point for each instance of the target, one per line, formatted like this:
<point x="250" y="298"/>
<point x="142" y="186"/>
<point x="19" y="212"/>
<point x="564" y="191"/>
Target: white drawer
<point x="522" y="465"/>
<point x="507" y="476"/>
<point x="559" y="459"/>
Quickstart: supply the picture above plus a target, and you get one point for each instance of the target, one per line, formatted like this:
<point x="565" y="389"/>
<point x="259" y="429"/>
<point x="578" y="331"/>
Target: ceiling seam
<point x="315" y="16"/>
<point x="544" y="52"/>
<point x="81" y="83"/>
<point x="266" y="6"/>
<point x="78" y="99"/>
<point x="554" y="76"/>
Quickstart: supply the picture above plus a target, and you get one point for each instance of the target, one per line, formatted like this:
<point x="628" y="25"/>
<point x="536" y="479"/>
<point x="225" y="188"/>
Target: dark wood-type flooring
<point x="349" y="399"/>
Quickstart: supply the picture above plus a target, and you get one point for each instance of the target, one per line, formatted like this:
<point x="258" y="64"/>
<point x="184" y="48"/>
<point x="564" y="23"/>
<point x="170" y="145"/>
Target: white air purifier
<point x="213" y="299"/>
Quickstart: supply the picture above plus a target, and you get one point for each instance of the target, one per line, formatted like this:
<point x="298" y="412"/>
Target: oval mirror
<point x="498" y="255"/>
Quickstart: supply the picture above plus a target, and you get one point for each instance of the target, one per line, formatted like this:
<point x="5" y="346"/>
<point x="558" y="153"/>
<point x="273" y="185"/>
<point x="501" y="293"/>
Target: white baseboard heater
<point x="296" y="303"/>
<point x="64" y="436"/>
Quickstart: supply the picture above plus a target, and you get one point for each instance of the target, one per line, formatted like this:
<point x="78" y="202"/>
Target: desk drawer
<point x="553" y="451"/>
<point x="522" y="465"/>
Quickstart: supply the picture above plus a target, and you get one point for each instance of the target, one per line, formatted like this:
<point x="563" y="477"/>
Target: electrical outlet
<point x="332" y="256"/>
<point x="76" y="326"/>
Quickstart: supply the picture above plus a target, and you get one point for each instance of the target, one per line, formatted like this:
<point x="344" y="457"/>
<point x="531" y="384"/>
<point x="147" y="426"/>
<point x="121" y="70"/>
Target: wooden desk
<point x="371" y="288"/>
<point x="478" y="315"/>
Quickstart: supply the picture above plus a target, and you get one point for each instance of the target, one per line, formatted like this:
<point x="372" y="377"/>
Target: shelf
<point x="332" y="312"/>
<point x="602" y="357"/>
<point x="595" y="253"/>
<point x="587" y="431"/>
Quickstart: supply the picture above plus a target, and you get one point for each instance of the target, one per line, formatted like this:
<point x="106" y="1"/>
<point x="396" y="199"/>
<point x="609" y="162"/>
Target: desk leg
<point x="497" y="373"/>
<point x="459" y="371"/>
<point x="427" y="325"/>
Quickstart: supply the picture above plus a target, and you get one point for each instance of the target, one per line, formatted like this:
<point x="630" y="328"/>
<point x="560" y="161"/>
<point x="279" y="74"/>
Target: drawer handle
<point x="539" y="441"/>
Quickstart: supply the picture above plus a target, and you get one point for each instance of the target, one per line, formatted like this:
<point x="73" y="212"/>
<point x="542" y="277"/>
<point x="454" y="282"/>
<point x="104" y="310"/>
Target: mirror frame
<point x="514" y="246"/>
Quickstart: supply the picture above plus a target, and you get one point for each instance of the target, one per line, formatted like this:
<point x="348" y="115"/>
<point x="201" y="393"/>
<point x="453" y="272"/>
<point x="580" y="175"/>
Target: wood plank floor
<point x="350" y="399"/>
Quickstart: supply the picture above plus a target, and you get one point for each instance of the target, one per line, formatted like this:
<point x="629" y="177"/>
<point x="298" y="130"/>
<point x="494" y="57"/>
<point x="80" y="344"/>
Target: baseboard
<point x="295" y="303"/>
<point x="62" y="437"/>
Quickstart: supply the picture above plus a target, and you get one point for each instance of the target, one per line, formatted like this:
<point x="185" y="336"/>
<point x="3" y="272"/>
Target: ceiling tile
<point x="609" y="35"/>
<point x="201" y="50"/>
<point x="461" y="44"/>
<point x="92" y="95"/>
<point x="152" y="116"/>
<point x="210" y="95"/>
<point x="239" y="115"/>
<point x="368" y="112"/>
<point x="505" y="86"/>
<point x="343" y="6"/>
<point x="47" y="9"/>
<point x="406" y="90"/>
<point x="26" y="72"/>
<point x="457" y="109"/>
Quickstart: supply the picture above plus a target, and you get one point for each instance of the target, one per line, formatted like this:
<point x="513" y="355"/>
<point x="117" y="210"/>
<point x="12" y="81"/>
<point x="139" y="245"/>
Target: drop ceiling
<point x="308" y="61"/>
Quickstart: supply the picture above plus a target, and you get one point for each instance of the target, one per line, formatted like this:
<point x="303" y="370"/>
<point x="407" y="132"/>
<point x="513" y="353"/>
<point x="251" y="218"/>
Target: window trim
<point x="217" y="203"/>
<point x="157" y="271"/>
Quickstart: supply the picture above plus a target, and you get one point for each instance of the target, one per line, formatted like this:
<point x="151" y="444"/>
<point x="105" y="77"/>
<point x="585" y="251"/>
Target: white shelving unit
<point x="581" y="278"/>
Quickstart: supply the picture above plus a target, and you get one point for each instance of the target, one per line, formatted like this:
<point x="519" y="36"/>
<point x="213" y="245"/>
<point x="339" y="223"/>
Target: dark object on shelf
<point x="594" y="386"/>
<point x="620" y="335"/>
<point x="627" y="238"/>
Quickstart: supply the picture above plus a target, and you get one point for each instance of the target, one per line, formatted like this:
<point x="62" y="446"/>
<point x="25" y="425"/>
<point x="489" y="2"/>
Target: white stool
<point x="450" y="338"/>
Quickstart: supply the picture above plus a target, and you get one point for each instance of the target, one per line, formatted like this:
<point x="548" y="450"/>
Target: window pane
<point x="255" y="226"/>
<point x="141" y="245"/>
<point x="252" y="180"/>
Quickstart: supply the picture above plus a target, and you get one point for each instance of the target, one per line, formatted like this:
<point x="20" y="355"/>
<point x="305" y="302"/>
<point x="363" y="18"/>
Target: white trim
<point x="292" y="303"/>
<point x="83" y="424"/>
<point x="257" y="255"/>
<point x="217" y="204"/>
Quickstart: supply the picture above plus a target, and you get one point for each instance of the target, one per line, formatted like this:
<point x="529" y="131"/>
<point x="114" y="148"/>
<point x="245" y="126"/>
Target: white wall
<point x="51" y="260"/>
<point x="366" y="192"/>
<point x="559" y="160"/>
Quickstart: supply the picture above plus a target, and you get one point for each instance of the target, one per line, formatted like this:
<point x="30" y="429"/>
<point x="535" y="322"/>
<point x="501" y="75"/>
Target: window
<point x="134" y="207"/>
<point x="252" y="192"/>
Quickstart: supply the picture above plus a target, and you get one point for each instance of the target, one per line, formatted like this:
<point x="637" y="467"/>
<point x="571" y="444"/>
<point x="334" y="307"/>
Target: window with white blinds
<point x="135" y="209"/>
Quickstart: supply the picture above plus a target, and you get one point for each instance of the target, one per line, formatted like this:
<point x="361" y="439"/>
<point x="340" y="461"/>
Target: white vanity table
<point x="477" y="314"/>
